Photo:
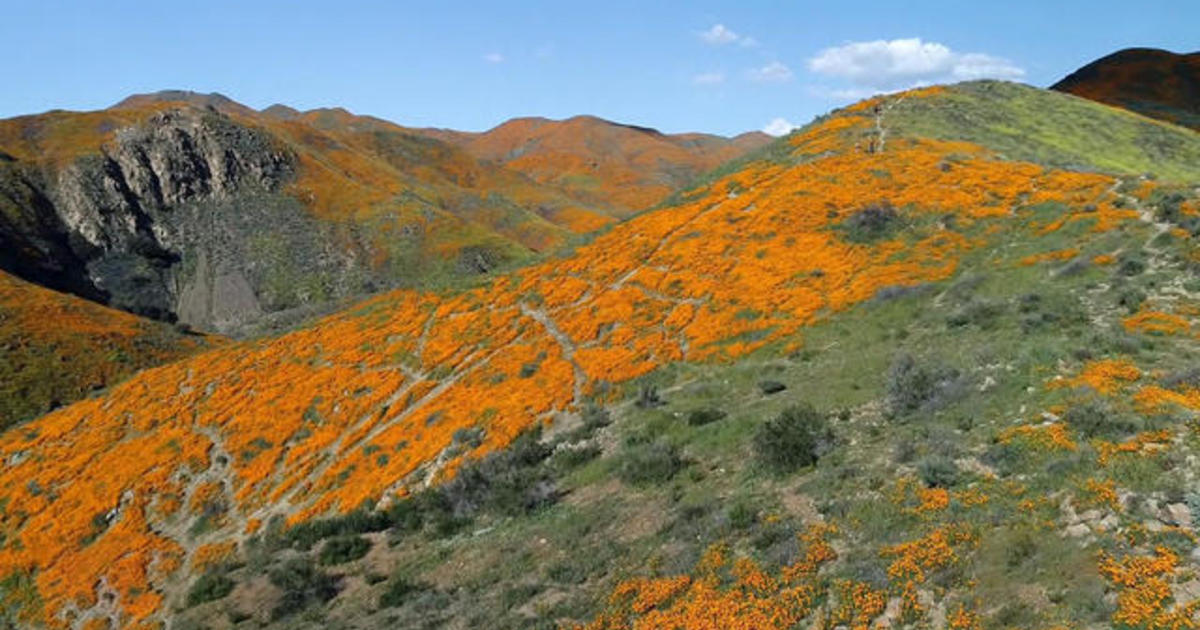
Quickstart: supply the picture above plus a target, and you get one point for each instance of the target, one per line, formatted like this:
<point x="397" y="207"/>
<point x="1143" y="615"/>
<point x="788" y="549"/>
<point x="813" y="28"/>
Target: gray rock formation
<point x="182" y="218"/>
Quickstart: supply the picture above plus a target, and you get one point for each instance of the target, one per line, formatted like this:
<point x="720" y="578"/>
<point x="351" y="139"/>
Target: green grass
<point x="1026" y="123"/>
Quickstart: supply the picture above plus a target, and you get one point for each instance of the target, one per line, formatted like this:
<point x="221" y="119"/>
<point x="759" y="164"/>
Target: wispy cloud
<point x="774" y="72"/>
<point x="709" y="78"/>
<point x="888" y="65"/>
<point x="720" y="35"/>
<point x="778" y="127"/>
<point x="493" y="57"/>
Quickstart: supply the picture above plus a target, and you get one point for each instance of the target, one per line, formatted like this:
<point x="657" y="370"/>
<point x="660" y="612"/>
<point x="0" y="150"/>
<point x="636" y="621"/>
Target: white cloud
<point x="774" y="72"/>
<point x="719" y="34"/>
<point x="709" y="78"/>
<point x="883" y="65"/>
<point x="494" y="57"/>
<point x="778" y="127"/>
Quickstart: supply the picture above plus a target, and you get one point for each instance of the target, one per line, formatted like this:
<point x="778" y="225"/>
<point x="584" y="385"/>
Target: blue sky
<point x="721" y="67"/>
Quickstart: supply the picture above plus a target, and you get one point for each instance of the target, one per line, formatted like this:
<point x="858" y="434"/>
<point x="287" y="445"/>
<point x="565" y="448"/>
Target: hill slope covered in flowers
<point x="609" y="165"/>
<point x="117" y="508"/>
<point x="57" y="348"/>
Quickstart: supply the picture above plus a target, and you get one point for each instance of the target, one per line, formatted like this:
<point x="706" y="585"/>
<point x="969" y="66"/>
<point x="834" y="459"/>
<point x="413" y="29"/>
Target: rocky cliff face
<point x="178" y="218"/>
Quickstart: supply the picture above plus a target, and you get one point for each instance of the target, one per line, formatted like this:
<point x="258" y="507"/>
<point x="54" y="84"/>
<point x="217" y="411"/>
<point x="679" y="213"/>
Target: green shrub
<point x="912" y="387"/>
<point x="302" y="584"/>
<point x="569" y="458"/>
<point x="938" y="472"/>
<point x="792" y="440"/>
<point x="873" y="222"/>
<point x="209" y="587"/>
<point x="742" y="515"/>
<point x="1131" y="263"/>
<point x="595" y="417"/>
<point x="509" y="482"/>
<point x="514" y="596"/>
<point x="771" y="387"/>
<point x="398" y="590"/>
<point x="704" y="415"/>
<point x="1094" y="418"/>
<point x="981" y="313"/>
<point x="649" y="463"/>
<point x="1130" y="299"/>
<point x="648" y="397"/>
<point x="343" y="549"/>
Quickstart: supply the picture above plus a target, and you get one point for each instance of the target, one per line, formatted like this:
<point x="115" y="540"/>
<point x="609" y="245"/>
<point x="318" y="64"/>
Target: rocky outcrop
<point x="181" y="217"/>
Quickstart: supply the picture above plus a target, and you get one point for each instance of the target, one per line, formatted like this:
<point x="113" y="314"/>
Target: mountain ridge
<point x="351" y="179"/>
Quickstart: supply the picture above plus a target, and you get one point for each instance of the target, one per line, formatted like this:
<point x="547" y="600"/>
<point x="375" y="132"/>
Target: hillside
<point x="175" y="211"/>
<point x="178" y="205"/>
<point x="56" y="348"/>
<point x="623" y="168"/>
<point x="1155" y="83"/>
<point x="996" y="353"/>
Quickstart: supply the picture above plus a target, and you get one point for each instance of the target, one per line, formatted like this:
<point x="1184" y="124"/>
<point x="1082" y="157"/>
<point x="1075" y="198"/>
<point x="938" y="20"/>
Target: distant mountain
<point x="1155" y="83"/>
<point x="623" y="168"/>
<point x="189" y="206"/>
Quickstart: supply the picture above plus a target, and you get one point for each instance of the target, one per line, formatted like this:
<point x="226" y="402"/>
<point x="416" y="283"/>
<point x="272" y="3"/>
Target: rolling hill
<point x="192" y="207"/>
<point x="927" y="360"/>
<point x="1155" y="83"/>
<point x="622" y="168"/>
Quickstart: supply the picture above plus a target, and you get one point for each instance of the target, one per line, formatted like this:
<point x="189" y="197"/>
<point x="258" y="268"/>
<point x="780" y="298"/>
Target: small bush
<point x="595" y="417"/>
<point x="509" y="482"/>
<point x="343" y="549"/>
<point x="1168" y="205"/>
<point x="1130" y="264"/>
<point x="771" y="387"/>
<point x="1006" y="457"/>
<point x="652" y="463"/>
<point x="981" y="313"/>
<point x="209" y="587"/>
<point x="1094" y="418"/>
<point x="871" y="223"/>
<point x="1130" y="299"/>
<point x="938" y="472"/>
<point x="792" y="440"/>
<point x="398" y="591"/>
<point x="912" y="387"/>
<point x="648" y="397"/>
<point x="514" y="596"/>
<point x="704" y="415"/>
<point x="302" y="584"/>
<point x="569" y="458"/>
<point x="742" y="515"/>
<point x="904" y="451"/>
